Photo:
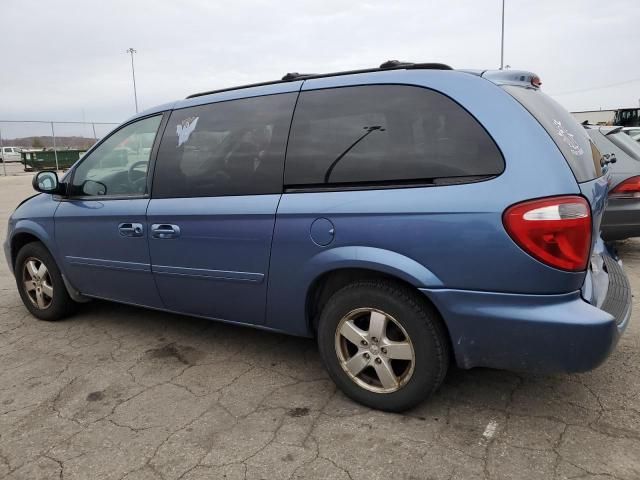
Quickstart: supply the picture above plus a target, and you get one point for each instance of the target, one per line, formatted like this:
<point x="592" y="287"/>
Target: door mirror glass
<point x="93" y="188"/>
<point x="46" y="182"/>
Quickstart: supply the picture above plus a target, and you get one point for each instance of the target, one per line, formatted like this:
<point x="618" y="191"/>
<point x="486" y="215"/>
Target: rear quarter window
<point x="385" y="134"/>
<point x="570" y="137"/>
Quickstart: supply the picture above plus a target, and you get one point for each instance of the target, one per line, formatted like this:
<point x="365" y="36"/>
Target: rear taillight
<point x="630" y="188"/>
<point x="556" y="230"/>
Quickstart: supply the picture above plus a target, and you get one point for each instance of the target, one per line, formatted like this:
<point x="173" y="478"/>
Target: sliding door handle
<point x="164" y="230"/>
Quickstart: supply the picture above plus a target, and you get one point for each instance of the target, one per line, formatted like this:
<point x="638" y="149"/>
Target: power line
<point x="568" y="92"/>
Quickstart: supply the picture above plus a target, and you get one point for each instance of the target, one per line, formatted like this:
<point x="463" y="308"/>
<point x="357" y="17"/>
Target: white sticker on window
<point x="568" y="138"/>
<point x="185" y="128"/>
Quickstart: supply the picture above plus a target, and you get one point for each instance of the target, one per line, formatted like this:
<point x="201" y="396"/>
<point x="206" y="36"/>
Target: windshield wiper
<point x="370" y="129"/>
<point x="613" y="131"/>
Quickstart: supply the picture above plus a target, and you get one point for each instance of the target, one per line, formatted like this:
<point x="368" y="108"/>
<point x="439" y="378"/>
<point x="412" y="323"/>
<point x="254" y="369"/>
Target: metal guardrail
<point x="51" y="125"/>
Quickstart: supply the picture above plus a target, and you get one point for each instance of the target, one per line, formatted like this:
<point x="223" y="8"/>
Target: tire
<point x="413" y="330"/>
<point x="55" y="305"/>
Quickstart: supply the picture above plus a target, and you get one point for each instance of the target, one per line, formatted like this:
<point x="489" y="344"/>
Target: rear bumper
<point x="621" y="219"/>
<point x="534" y="333"/>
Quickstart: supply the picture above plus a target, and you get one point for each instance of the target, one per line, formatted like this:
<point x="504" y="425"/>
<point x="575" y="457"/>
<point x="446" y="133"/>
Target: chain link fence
<point x="20" y="139"/>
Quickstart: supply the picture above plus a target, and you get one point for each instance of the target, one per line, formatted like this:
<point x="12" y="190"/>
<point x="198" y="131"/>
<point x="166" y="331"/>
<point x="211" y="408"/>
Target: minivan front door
<point x="100" y="228"/>
<point x="216" y="189"/>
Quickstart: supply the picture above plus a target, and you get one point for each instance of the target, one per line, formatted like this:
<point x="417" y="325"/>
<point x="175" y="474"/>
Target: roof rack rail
<point x="296" y="76"/>
<point x="293" y="76"/>
<point x="395" y="64"/>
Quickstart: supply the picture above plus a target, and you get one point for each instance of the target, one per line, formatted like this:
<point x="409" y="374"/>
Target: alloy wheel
<point x="374" y="350"/>
<point x="37" y="283"/>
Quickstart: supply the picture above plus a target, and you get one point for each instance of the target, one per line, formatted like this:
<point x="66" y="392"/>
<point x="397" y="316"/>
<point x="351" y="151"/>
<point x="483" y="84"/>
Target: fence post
<point x="55" y="151"/>
<point x="4" y="164"/>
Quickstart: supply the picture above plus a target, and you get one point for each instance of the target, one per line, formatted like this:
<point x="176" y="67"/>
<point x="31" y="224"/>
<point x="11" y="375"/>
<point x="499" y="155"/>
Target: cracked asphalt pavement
<point x="123" y="393"/>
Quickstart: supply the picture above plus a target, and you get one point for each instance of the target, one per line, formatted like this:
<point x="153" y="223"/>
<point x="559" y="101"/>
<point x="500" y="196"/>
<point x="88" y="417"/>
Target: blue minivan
<point x="406" y="216"/>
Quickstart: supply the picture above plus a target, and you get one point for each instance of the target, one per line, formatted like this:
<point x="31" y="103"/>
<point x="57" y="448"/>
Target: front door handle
<point x="131" y="229"/>
<point x="164" y="230"/>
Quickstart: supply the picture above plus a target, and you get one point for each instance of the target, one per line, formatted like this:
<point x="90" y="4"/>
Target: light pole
<point x="501" y="40"/>
<point x="4" y="164"/>
<point x="133" y="72"/>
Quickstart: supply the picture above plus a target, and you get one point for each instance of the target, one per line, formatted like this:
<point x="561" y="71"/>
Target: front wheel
<point x="383" y="345"/>
<point x="40" y="284"/>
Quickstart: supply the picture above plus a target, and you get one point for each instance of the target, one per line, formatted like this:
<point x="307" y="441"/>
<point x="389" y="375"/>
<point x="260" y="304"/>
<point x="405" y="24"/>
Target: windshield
<point x="566" y="132"/>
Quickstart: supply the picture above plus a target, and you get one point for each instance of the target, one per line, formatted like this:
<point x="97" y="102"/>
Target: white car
<point x="10" y="154"/>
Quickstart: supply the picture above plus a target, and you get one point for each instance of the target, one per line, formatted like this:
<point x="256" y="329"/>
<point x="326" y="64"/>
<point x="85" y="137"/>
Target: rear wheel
<point x="383" y="345"/>
<point x="40" y="284"/>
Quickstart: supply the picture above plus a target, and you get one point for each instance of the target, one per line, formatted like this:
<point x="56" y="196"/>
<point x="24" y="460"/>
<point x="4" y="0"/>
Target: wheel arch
<point x="326" y="284"/>
<point x="329" y="282"/>
<point x="334" y="268"/>
<point x="20" y="239"/>
<point x="24" y="235"/>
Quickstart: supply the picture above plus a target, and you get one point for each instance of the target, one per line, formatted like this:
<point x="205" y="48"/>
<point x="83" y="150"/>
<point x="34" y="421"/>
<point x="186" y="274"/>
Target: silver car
<point x="622" y="156"/>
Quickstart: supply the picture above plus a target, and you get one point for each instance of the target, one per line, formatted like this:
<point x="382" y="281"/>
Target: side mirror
<point x="47" y="182"/>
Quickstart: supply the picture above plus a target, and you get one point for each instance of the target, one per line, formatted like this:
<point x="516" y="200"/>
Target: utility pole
<point x="133" y="72"/>
<point x="501" y="40"/>
<point x="55" y="149"/>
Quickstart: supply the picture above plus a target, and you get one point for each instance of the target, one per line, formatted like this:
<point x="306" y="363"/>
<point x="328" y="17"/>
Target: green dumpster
<point x="34" y="160"/>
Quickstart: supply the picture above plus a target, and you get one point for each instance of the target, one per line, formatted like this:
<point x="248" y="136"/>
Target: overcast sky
<point x="66" y="60"/>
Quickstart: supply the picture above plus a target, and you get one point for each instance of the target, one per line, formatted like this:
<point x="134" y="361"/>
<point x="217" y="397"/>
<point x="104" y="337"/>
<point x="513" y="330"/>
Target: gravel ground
<point x="120" y="392"/>
<point x="12" y="168"/>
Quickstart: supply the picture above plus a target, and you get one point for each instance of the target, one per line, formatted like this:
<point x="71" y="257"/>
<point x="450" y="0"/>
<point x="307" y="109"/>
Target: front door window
<point x="118" y="167"/>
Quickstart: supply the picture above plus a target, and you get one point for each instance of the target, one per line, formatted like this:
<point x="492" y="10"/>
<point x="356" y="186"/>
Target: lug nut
<point x="374" y="340"/>
<point x="384" y="350"/>
<point x="364" y="343"/>
<point x="378" y="361"/>
<point x="366" y="355"/>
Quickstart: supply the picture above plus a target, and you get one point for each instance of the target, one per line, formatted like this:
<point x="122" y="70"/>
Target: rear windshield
<point x="634" y="133"/>
<point x="626" y="143"/>
<point x="566" y="132"/>
<point x="606" y="145"/>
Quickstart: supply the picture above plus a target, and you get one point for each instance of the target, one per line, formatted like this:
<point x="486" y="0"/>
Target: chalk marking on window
<point x="185" y="128"/>
<point x="568" y="138"/>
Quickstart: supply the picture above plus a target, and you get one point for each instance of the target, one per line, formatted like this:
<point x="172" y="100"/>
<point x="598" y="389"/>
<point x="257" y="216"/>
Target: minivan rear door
<point x="217" y="185"/>
<point x="584" y="159"/>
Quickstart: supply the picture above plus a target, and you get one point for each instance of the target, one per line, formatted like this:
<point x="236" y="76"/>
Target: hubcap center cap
<point x="374" y="349"/>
